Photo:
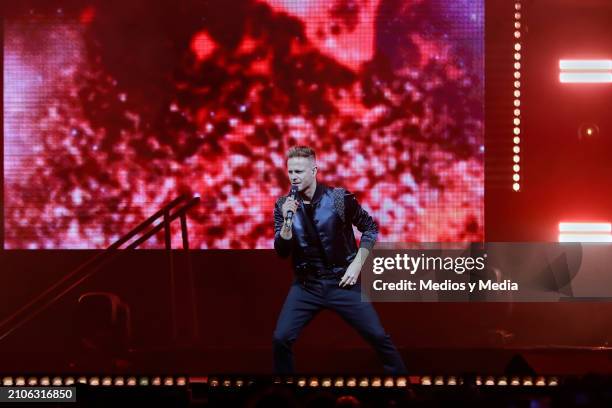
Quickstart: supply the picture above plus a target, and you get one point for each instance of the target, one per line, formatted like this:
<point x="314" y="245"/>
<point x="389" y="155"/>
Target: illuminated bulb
<point x="517" y="34"/>
<point x="517" y="6"/>
<point x="517" y="25"/>
<point x="516" y="186"/>
<point x="517" y="84"/>
<point x="516" y="177"/>
<point x="517" y="121"/>
<point x="517" y="94"/>
<point x="517" y="140"/>
<point x="517" y="46"/>
<point x="517" y="103"/>
<point x="517" y="131"/>
<point x="516" y="149"/>
<point x="516" y="158"/>
<point x="517" y="65"/>
<point x="517" y="16"/>
<point x="517" y="55"/>
<point x="517" y="75"/>
<point x="517" y="112"/>
<point x="516" y="168"/>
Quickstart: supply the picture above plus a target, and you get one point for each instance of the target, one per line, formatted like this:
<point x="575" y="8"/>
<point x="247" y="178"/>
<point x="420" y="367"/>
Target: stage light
<point x="20" y="381"/>
<point x="527" y="381"/>
<point x="389" y="382"/>
<point x="7" y="381"/>
<point x="56" y="382"/>
<point x="314" y="382"/>
<point x="107" y="381"/>
<point x="326" y="382"/>
<point x="169" y="381"/>
<point x="144" y="381"/>
<point x="553" y="382"/>
<point x="401" y="382"/>
<point x="452" y="380"/>
<point x="301" y="382"/>
<point x="587" y="131"/>
<point x="157" y="381"/>
<point x="585" y="227"/>
<point x="131" y="382"/>
<point x="585" y="77"/>
<point x="45" y="381"/>
<point x="585" y="71"/>
<point x="82" y="380"/>
<point x="585" y="65"/>
<point x="339" y="382"/>
<point x="376" y="382"/>
<point x="426" y="380"/>
<point x="439" y="380"/>
<point x="490" y="381"/>
<point x="182" y="381"/>
<point x="32" y="381"/>
<point x="540" y="382"/>
<point x="94" y="381"/>
<point x="478" y="381"/>
<point x="68" y="381"/>
<point x="351" y="382"/>
<point x="515" y="381"/>
<point x="239" y="383"/>
<point x="503" y="381"/>
<point x="364" y="382"/>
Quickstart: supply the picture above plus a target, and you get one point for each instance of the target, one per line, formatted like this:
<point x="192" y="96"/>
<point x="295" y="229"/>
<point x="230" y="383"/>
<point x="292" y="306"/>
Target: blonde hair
<point x="301" y="151"/>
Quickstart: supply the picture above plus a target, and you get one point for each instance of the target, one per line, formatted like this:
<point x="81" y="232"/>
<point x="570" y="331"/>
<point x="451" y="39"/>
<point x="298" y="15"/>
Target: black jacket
<point x="335" y="212"/>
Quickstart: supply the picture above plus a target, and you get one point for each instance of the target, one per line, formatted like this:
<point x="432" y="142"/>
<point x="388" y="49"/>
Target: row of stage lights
<point x="516" y="148"/>
<point x="311" y="382"/>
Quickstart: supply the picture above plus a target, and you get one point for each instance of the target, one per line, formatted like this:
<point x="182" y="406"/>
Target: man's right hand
<point x="290" y="204"/>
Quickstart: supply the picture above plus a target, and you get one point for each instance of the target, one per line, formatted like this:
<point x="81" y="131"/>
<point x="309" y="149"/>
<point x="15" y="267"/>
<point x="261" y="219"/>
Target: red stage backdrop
<point x="111" y="109"/>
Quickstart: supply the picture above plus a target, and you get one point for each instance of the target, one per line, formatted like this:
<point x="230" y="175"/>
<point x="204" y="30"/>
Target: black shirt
<point x="313" y="253"/>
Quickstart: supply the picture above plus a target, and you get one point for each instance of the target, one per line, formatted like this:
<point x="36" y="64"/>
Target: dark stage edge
<point x="544" y="361"/>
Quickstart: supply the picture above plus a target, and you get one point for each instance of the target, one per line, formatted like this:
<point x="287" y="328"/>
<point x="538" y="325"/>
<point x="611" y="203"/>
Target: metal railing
<point x="176" y="208"/>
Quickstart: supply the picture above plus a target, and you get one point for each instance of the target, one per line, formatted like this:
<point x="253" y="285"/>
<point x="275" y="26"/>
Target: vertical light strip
<point x="516" y="122"/>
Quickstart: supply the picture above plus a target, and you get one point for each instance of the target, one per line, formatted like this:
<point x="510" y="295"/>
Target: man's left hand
<point x="351" y="275"/>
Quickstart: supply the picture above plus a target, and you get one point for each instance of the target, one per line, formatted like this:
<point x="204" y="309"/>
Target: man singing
<point x="315" y="226"/>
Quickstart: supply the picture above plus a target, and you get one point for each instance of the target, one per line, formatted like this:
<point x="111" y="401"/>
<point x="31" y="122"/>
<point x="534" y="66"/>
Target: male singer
<point x="314" y="224"/>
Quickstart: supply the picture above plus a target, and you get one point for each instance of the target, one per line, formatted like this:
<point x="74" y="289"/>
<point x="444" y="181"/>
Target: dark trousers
<point x="306" y="299"/>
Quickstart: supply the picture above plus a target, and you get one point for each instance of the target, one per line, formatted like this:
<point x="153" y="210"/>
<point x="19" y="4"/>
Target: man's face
<point x="302" y="172"/>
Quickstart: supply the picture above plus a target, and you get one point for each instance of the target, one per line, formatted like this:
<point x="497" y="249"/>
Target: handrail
<point x="29" y="310"/>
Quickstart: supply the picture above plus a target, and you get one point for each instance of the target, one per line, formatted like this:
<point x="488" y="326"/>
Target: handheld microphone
<point x="292" y="194"/>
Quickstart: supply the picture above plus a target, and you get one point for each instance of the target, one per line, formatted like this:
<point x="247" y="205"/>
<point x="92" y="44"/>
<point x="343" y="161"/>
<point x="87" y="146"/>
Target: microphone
<point x="292" y="194"/>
